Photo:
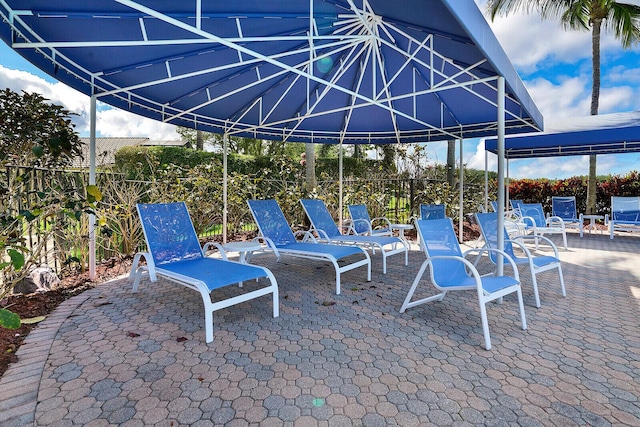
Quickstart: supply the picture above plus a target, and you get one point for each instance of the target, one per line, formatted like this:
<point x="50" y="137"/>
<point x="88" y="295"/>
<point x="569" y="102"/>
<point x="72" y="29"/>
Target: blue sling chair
<point x="565" y="207"/>
<point x="174" y="252"/>
<point x="536" y="263"/>
<point x="364" y="225"/>
<point x="277" y="237"/>
<point x="451" y="271"/>
<point x="432" y="211"/>
<point x="323" y="224"/>
<point x="537" y="224"/>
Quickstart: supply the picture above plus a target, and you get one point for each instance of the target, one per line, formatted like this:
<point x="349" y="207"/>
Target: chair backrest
<point x="534" y="211"/>
<point x="494" y="205"/>
<point x="320" y="216"/>
<point x="625" y="208"/>
<point x="440" y="239"/>
<point x="169" y="232"/>
<point x="360" y="214"/>
<point x="271" y="221"/>
<point x="430" y="212"/>
<point x="488" y="223"/>
<point x="564" y="207"/>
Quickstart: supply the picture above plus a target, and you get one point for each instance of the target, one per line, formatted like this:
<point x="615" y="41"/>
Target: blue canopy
<point x="322" y="71"/>
<point x="602" y="134"/>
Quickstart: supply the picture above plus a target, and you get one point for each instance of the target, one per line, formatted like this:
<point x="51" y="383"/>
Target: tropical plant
<point x="591" y="15"/>
<point x="35" y="135"/>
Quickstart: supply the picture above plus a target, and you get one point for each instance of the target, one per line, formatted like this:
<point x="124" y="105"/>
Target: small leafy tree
<point x="34" y="136"/>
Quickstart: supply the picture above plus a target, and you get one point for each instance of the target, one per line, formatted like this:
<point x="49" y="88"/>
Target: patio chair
<point x="515" y="207"/>
<point x="537" y="224"/>
<point x="364" y="225"/>
<point x="432" y="211"/>
<point x="323" y="224"/>
<point x="512" y="221"/>
<point x="174" y="253"/>
<point x="277" y="237"/>
<point x="451" y="271"/>
<point x="537" y="264"/>
<point x="625" y="215"/>
<point x="565" y="208"/>
<point x="429" y="212"/>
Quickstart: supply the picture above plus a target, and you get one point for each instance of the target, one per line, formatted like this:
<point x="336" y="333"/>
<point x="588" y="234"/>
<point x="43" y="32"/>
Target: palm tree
<point x="591" y="15"/>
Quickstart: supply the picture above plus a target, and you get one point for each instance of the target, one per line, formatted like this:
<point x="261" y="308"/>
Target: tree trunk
<point x="310" y="158"/>
<point x="595" y="99"/>
<point x="199" y="140"/>
<point x="451" y="162"/>
<point x="357" y="151"/>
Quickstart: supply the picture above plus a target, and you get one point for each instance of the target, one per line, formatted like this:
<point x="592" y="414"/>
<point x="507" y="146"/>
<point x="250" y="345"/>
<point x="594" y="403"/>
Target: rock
<point x="41" y="279"/>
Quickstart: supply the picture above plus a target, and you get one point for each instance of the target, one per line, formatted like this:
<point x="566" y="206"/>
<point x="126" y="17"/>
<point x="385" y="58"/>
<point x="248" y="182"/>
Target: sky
<point x="555" y="66"/>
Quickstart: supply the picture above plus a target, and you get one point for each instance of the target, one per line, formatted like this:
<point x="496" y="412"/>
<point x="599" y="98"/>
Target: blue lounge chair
<point x="537" y="264"/>
<point x="432" y="211"/>
<point x="174" y="252"/>
<point x="532" y="214"/>
<point x="451" y="271"/>
<point x="276" y="235"/>
<point x="323" y="224"/>
<point x="565" y="208"/>
<point x="364" y="225"/>
<point x="625" y="214"/>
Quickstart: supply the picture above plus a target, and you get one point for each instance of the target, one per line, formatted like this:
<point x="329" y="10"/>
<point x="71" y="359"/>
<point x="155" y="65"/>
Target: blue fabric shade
<point x="322" y="71"/>
<point x="615" y="133"/>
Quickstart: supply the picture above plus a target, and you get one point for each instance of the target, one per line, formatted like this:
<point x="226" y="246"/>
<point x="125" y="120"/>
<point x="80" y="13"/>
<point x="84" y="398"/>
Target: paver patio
<point x="110" y="357"/>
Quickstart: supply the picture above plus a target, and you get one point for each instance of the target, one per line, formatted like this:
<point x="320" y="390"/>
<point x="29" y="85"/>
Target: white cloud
<point x="572" y="97"/>
<point x="127" y="124"/>
<point x="109" y="121"/>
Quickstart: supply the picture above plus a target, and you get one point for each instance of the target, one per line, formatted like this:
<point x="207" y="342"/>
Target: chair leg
<point x="384" y="261"/>
<point x="564" y="292"/>
<point x="208" y="323"/>
<point x="407" y="301"/>
<point x="485" y="324"/>
<point x="534" y="281"/>
<point x="523" y="317"/>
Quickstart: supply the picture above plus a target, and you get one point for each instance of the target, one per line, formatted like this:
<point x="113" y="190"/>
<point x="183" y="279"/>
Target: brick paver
<point x="112" y="357"/>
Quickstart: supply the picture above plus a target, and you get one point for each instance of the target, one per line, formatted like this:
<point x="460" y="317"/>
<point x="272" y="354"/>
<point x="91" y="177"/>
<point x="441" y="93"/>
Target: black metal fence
<point x="118" y="231"/>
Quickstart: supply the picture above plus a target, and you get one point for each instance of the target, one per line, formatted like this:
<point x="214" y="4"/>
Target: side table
<point x="244" y="249"/>
<point x="401" y="228"/>
<point x="592" y="222"/>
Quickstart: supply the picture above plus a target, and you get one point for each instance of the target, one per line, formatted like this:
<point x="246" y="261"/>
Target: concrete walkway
<point x="110" y="357"/>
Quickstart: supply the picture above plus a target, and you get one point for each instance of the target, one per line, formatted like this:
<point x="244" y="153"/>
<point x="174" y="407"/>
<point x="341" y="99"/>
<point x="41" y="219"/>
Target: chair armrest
<point x="474" y="270"/>
<point x="269" y="243"/>
<point x="531" y="224"/>
<point x="136" y="264"/>
<point x="515" y="239"/>
<point x="381" y="219"/>
<point x="322" y="235"/>
<point x="306" y="236"/>
<point x="348" y="227"/>
<point x="552" y="220"/>
<point x="362" y="221"/>
<point x="207" y="247"/>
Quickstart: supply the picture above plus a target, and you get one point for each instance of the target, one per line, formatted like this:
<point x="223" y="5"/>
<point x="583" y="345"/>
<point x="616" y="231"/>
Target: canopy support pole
<point x="225" y="202"/>
<point x="92" y="181"/>
<point x="461" y="197"/>
<point x="486" y="181"/>
<point x="507" y="181"/>
<point x="501" y="110"/>
<point x="341" y="175"/>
